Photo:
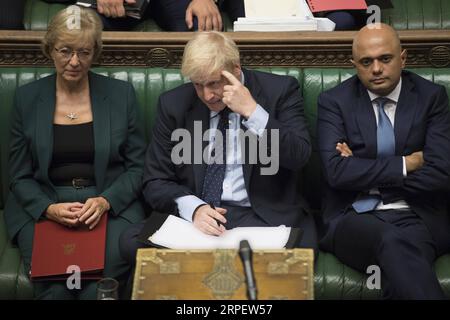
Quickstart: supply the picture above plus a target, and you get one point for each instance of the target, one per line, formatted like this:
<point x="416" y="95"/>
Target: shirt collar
<point x="393" y="96"/>
<point x="212" y="114"/>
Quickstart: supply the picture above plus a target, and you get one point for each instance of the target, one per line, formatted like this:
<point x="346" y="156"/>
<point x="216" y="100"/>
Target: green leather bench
<point x="418" y="14"/>
<point x="333" y="280"/>
<point x="406" y="14"/>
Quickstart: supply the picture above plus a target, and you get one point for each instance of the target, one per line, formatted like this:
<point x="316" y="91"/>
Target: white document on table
<point x="177" y="233"/>
<point x="275" y="24"/>
<point x="280" y="15"/>
<point x="279" y="8"/>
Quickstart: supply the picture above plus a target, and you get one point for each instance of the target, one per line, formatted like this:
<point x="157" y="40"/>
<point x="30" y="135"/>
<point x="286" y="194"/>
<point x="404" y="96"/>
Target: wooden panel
<point x="426" y="48"/>
<point x="206" y="275"/>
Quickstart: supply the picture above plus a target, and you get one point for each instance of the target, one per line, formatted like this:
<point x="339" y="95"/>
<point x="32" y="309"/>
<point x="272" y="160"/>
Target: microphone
<point x="245" y="252"/>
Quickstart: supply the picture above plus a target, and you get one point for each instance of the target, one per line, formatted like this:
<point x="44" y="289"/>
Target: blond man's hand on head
<point x="237" y="97"/>
<point x="113" y="8"/>
<point x="207" y="13"/>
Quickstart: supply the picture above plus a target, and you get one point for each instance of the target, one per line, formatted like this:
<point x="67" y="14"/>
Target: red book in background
<point x="332" y="5"/>
<point x="56" y="247"/>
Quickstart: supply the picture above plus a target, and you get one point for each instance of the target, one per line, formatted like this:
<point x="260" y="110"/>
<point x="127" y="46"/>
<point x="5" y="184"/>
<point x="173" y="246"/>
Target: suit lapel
<point x="45" y="112"/>
<point x="367" y="122"/>
<point x="199" y="114"/>
<point x="404" y="114"/>
<point x="102" y="128"/>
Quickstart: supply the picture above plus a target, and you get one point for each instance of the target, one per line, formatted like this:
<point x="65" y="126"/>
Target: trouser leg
<point x="396" y="241"/>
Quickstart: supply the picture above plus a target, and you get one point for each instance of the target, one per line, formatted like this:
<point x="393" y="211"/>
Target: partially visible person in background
<point x="347" y="19"/>
<point x="11" y="14"/>
<point x="354" y="19"/>
<point x="170" y="15"/>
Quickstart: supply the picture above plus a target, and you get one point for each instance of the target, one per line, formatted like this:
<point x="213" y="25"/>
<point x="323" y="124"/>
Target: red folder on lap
<point x="56" y="247"/>
<point x="331" y="5"/>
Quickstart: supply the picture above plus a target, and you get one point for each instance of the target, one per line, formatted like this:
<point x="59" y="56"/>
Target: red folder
<point x="331" y="5"/>
<point x="56" y="247"/>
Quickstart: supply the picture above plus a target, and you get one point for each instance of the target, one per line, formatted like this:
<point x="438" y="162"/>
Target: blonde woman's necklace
<point x="72" y="116"/>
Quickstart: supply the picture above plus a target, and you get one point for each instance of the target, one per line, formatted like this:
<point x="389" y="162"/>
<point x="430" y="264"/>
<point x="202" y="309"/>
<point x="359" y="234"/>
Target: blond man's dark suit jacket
<point x="275" y="197"/>
<point x="119" y="149"/>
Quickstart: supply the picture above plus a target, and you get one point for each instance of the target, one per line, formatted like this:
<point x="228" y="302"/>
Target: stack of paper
<point x="176" y="233"/>
<point x="280" y="15"/>
<point x="275" y="24"/>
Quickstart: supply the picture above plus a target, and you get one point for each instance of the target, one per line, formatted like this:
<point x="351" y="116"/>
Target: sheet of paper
<point x="271" y="8"/>
<point x="177" y="233"/>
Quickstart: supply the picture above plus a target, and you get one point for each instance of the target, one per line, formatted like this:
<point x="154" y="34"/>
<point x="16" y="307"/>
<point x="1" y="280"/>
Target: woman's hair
<point x="208" y="53"/>
<point x="74" y="25"/>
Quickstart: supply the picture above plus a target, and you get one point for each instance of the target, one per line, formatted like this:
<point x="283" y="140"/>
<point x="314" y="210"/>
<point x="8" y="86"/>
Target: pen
<point x="213" y="207"/>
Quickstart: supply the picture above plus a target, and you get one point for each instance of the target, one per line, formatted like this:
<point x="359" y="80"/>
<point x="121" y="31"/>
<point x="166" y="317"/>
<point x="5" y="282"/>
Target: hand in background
<point x="205" y="218"/>
<point x="92" y="211"/>
<point x="113" y="8"/>
<point x="64" y="213"/>
<point x="207" y="13"/>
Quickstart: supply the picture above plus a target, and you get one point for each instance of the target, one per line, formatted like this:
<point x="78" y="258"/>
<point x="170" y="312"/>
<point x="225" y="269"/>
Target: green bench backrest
<point x="316" y="80"/>
<point x="418" y="14"/>
<point x="151" y="82"/>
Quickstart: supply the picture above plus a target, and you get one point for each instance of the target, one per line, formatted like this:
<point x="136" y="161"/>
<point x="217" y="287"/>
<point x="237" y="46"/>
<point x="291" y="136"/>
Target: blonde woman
<point x="76" y="149"/>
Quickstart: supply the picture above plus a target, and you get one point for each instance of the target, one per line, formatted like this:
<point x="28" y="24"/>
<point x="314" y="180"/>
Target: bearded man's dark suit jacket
<point x="274" y="198"/>
<point x="422" y="123"/>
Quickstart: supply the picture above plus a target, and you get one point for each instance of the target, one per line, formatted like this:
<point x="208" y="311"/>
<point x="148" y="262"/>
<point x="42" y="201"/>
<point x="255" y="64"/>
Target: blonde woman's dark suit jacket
<point x="119" y="149"/>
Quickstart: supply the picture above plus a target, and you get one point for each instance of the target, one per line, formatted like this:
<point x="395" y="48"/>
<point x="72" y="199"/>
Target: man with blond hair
<point x="217" y="193"/>
<point x="384" y="139"/>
